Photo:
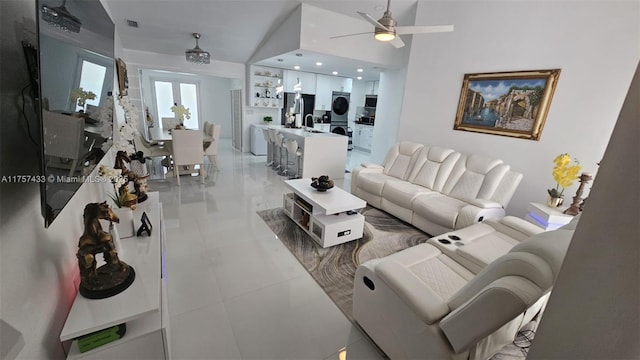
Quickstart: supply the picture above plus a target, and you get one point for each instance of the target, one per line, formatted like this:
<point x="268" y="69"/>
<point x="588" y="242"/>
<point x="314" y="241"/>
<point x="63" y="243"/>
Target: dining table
<point x="164" y="135"/>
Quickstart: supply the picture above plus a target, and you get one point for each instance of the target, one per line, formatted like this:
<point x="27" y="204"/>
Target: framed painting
<point x="123" y="80"/>
<point x="506" y="103"/>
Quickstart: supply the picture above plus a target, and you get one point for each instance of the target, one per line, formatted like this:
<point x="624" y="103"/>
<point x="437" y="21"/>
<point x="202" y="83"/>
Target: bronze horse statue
<point x="121" y="160"/>
<point x="115" y="275"/>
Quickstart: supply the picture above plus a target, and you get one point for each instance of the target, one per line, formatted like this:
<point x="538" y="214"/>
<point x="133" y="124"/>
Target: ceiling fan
<point x="387" y="31"/>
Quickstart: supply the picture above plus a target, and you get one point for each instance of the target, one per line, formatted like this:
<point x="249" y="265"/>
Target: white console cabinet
<point x="142" y="306"/>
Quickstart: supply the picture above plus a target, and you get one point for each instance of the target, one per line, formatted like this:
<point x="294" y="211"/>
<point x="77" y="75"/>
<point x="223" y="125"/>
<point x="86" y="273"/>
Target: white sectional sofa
<point x="436" y="189"/>
<point x="424" y="303"/>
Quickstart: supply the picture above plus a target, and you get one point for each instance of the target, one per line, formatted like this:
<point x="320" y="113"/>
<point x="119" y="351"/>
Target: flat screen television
<point x="75" y="51"/>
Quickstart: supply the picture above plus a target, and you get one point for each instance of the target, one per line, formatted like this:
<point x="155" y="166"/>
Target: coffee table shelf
<point x="328" y="217"/>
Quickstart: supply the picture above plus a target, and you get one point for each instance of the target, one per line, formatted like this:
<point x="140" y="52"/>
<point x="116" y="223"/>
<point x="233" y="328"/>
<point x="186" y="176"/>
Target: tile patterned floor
<point x="234" y="290"/>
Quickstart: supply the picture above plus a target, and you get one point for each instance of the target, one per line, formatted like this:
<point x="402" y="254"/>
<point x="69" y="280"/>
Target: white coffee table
<point x="328" y="217"/>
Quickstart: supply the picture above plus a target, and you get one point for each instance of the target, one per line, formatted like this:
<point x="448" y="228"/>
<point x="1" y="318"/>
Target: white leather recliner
<point x="420" y="303"/>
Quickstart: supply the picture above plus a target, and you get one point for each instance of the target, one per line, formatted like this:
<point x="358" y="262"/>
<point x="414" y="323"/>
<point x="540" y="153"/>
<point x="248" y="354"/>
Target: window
<point x="92" y="78"/>
<point x="170" y="92"/>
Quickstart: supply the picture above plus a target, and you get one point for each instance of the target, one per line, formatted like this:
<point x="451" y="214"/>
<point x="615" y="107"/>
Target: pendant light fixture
<point x="61" y="18"/>
<point x="197" y="55"/>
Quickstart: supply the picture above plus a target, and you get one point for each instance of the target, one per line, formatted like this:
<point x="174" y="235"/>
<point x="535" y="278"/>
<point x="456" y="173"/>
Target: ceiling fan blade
<point x="341" y="36"/>
<point x="397" y="42"/>
<point x="405" y="30"/>
<point x="371" y="20"/>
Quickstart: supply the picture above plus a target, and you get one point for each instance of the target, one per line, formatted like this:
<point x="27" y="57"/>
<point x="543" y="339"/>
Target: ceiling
<point x="232" y="30"/>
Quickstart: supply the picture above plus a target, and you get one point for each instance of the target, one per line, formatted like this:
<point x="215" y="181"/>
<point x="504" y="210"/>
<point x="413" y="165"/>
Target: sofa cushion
<point x="433" y="166"/>
<point x="403" y="193"/>
<point x="400" y="159"/>
<point x="424" y="278"/>
<point x="468" y="176"/>
<point x="440" y="209"/>
<point x="373" y="182"/>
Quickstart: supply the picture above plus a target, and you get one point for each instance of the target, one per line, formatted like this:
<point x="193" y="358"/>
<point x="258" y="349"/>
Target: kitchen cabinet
<point x="372" y="87"/>
<point x="325" y="86"/>
<point x="307" y="80"/>
<point x="263" y="84"/>
<point x="363" y="137"/>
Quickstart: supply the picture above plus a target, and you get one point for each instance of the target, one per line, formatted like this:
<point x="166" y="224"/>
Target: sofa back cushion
<point x="401" y="158"/>
<point x="474" y="177"/>
<point x="433" y="167"/>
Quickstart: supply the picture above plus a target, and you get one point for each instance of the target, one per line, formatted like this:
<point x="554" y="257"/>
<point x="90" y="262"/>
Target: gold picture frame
<point x="513" y="103"/>
<point x="123" y="80"/>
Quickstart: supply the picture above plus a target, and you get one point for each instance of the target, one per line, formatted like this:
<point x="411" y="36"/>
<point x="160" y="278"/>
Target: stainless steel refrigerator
<point x="289" y="102"/>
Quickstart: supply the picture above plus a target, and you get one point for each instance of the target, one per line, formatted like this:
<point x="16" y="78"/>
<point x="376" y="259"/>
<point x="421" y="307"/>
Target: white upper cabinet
<point x="308" y="81"/>
<point x="325" y="86"/>
<point x="372" y="87"/>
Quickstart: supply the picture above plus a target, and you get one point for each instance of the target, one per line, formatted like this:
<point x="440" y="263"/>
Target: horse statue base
<point x="108" y="282"/>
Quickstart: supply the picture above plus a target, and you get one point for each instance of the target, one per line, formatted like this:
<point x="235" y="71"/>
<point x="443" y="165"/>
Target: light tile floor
<point x="234" y="290"/>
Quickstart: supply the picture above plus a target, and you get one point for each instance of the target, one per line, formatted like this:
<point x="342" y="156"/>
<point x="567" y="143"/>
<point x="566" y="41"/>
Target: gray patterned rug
<point x="334" y="267"/>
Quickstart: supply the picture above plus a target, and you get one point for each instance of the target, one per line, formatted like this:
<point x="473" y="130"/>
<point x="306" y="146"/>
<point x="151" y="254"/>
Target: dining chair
<point x="169" y="122"/>
<point x="187" y="150"/>
<point x="64" y="141"/>
<point x="151" y="150"/>
<point x="212" y="150"/>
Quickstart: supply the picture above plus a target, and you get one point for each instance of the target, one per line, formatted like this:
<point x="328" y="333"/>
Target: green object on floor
<point x="101" y="337"/>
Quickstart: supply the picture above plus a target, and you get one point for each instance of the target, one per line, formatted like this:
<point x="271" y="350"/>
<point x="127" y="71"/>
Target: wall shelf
<point x="262" y="85"/>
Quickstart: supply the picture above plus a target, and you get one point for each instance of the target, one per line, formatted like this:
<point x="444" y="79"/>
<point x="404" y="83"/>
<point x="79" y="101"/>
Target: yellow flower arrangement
<point x="563" y="174"/>
<point x="81" y="96"/>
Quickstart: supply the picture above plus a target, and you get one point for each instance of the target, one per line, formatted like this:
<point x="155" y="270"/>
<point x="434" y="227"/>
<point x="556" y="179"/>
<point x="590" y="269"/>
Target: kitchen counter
<point x="323" y="153"/>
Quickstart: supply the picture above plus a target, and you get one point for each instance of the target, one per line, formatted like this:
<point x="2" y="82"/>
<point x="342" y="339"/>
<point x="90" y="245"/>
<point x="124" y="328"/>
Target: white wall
<point x="38" y="266"/>
<point x="593" y="311"/>
<point x="215" y="97"/>
<point x="388" y="111"/>
<point x="596" y="44"/>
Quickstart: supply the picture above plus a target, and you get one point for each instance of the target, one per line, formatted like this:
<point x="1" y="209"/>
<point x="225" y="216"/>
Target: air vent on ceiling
<point x="132" y="23"/>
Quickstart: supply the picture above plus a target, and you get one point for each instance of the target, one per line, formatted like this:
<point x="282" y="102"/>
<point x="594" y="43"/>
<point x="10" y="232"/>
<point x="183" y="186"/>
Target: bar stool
<point x="292" y="148"/>
<point x="274" y="148"/>
<point x="267" y="138"/>
<point x="281" y="144"/>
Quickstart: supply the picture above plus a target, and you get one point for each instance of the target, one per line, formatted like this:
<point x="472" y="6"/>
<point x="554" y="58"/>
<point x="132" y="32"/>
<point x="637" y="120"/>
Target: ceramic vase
<point x="554" y="202"/>
<point x="125" y="226"/>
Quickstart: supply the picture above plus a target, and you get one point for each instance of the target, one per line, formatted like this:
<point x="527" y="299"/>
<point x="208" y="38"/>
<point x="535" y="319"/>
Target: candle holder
<point x="575" y="207"/>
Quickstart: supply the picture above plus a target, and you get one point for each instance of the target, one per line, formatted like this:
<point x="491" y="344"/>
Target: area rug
<point x="334" y="268"/>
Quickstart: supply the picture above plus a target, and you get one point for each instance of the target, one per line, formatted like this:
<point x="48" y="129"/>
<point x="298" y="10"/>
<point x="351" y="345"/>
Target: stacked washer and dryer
<point x="339" y="115"/>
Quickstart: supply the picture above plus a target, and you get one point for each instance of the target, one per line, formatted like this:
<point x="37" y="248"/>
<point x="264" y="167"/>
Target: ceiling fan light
<point x="384" y="36"/>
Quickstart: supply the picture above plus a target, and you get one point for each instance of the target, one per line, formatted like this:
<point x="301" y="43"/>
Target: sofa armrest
<point x="471" y="214"/>
<point x="495" y="305"/>
<point x="423" y="301"/>
<point x="372" y="166"/>
<point x="520" y="225"/>
<point x="486" y="204"/>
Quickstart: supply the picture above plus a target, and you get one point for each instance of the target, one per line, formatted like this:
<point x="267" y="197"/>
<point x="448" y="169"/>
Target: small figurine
<point x="578" y="203"/>
<point x="138" y="184"/>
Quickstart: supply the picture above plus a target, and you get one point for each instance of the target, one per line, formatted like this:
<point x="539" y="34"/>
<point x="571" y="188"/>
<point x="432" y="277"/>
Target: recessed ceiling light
<point x="297" y="67"/>
<point x="359" y="70"/>
<point x="318" y="63"/>
<point x="359" y="77"/>
<point x="335" y="73"/>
